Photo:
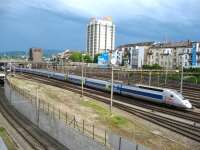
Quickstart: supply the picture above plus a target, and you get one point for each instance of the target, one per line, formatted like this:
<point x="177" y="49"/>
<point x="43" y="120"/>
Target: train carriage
<point x="97" y="84"/>
<point x="149" y="93"/>
<point x="59" y="76"/>
<point x="75" y="79"/>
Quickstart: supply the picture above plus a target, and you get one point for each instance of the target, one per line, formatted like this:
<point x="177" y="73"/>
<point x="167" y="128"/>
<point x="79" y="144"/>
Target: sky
<point x="61" y="24"/>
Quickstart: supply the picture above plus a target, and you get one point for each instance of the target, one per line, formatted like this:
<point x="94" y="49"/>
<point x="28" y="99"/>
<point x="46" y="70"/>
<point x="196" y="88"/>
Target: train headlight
<point x="187" y="104"/>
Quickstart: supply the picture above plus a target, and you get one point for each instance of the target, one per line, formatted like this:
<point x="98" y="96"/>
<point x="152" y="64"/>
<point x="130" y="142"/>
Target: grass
<point x="112" y="120"/>
<point x="6" y="138"/>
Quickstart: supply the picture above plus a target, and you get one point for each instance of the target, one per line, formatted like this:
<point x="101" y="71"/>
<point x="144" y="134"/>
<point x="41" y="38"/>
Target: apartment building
<point x="174" y="54"/>
<point x="133" y="55"/>
<point x="100" y="36"/>
<point x="35" y="54"/>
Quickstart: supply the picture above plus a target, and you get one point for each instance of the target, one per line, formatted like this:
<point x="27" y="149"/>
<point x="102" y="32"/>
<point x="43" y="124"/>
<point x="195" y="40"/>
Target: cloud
<point x="166" y="11"/>
<point x="179" y="11"/>
<point x="39" y="22"/>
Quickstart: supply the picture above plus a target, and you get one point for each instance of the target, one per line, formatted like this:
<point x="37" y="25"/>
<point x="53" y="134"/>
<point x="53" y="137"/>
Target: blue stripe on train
<point x="143" y="93"/>
<point x="72" y="79"/>
<point x="98" y="84"/>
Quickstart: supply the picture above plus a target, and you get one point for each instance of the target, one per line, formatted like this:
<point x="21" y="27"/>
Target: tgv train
<point x="148" y="93"/>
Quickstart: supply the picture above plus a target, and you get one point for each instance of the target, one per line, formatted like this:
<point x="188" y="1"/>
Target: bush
<point x="154" y="66"/>
<point x="77" y="57"/>
<point x="192" y="70"/>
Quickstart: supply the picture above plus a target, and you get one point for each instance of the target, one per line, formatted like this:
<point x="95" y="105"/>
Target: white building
<point x="133" y="55"/>
<point x="100" y="36"/>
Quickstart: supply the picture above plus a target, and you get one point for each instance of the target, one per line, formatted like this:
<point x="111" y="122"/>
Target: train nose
<point x="187" y="104"/>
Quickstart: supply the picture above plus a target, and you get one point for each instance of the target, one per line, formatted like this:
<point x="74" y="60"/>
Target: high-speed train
<point x="148" y="93"/>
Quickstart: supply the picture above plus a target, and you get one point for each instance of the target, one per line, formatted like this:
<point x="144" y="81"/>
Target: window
<point x="157" y="60"/>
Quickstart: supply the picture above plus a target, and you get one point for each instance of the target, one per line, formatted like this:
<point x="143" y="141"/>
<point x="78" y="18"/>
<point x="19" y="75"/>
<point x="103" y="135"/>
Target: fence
<point x="66" y="128"/>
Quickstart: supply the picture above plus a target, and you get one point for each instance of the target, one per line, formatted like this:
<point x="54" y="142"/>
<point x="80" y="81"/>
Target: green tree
<point x="87" y="59"/>
<point x="195" y="70"/>
<point x="75" y="57"/>
<point x="146" y="66"/>
<point x="156" y="66"/>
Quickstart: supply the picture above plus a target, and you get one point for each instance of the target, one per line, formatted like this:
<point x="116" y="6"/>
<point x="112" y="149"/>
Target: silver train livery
<point x="148" y="93"/>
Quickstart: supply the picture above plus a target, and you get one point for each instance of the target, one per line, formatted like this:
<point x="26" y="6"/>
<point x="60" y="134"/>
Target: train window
<point x="151" y="88"/>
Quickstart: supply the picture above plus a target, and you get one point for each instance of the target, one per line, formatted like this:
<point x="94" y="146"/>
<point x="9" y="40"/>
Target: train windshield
<point x="178" y="94"/>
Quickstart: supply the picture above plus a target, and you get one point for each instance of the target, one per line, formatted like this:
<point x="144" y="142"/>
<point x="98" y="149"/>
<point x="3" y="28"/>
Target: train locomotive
<point x="148" y="93"/>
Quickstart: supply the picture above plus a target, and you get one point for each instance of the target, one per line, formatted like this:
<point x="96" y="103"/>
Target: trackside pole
<point x="111" y="93"/>
<point x="166" y="77"/>
<point x="150" y="78"/>
<point x="37" y="104"/>
<point x="82" y="78"/>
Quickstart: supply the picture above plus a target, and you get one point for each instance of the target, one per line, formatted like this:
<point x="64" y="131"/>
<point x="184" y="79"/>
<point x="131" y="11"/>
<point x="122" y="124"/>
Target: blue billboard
<point x="103" y="59"/>
<point x="194" y="60"/>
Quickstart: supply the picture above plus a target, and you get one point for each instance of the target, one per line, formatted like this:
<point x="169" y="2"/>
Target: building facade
<point x="133" y="55"/>
<point x="35" y="54"/>
<point x="175" y="54"/>
<point x="100" y="36"/>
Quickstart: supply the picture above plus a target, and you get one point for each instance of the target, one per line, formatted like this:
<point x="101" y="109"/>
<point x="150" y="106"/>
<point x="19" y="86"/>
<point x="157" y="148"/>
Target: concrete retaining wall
<point x="2" y="145"/>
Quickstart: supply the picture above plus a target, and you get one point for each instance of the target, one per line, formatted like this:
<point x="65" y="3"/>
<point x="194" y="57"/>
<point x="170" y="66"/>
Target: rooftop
<point x="136" y="44"/>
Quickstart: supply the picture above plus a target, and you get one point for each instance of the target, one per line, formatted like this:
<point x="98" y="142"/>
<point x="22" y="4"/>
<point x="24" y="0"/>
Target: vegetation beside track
<point x="6" y="138"/>
<point x="113" y="120"/>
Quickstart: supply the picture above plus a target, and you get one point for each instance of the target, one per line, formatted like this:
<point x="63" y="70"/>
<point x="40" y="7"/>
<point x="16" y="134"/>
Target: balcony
<point x="150" y="53"/>
<point x="165" y="54"/>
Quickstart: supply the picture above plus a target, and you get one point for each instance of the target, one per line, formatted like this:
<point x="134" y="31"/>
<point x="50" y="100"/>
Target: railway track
<point x="36" y="138"/>
<point x="187" y="129"/>
<point x="179" y="127"/>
